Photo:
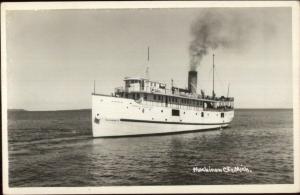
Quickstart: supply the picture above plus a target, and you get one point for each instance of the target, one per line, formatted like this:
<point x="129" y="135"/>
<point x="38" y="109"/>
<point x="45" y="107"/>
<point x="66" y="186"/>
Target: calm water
<point x="56" y="149"/>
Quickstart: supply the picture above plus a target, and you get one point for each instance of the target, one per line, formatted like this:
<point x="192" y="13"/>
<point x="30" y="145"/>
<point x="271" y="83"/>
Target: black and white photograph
<point x="150" y="97"/>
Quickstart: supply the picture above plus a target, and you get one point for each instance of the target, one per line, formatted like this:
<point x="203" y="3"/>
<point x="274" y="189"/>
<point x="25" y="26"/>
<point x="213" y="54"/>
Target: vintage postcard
<point x="150" y="97"/>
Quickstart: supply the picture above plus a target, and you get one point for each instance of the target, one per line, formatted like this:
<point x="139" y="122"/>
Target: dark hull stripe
<point x="161" y="134"/>
<point x="166" y="122"/>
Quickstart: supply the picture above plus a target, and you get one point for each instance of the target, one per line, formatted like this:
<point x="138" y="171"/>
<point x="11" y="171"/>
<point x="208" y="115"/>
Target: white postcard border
<point x="274" y="188"/>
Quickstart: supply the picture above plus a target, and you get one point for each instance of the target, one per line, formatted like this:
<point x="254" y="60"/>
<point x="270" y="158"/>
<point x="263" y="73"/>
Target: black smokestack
<point x="192" y="81"/>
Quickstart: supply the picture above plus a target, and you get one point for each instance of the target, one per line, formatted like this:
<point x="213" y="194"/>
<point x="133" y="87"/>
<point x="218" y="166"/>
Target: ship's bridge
<point x="138" y="84"/>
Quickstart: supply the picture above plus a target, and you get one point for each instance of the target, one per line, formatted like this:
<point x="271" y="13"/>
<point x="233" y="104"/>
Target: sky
<point x="54" y="56"/>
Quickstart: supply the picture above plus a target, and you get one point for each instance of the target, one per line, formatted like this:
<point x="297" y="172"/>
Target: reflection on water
<point x="67" y="155"/>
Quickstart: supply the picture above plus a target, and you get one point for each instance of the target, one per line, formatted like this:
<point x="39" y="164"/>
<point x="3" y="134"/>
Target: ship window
<point x="202" y="114"/>
<point x="222" y="115"/>
<point x="133" y="96"/>
<point x="154" y="97"/>
<point x="126" y="95"/>
<point x="162" y="111"/>
<point x="145" y="96"/>
<point x="138" y="96"/>
<point x="175" y="112"/>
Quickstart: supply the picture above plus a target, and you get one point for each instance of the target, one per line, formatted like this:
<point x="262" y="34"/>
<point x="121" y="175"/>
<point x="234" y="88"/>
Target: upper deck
<point x="151" y="91"/>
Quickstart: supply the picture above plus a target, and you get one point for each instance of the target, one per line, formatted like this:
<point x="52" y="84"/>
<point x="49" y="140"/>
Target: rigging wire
<point x="223" y="86"/>
<point x="219" y="81"/>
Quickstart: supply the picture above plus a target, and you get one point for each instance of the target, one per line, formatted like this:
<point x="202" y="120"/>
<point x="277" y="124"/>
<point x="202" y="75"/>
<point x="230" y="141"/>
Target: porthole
<point x="162" y="111"/>
<point x="166" y="119"/>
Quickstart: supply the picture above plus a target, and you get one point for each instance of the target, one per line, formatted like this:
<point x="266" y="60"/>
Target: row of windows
<point x="176" y="112"/>
<point x="167" y="99"/>
<point x="176" y="100"/>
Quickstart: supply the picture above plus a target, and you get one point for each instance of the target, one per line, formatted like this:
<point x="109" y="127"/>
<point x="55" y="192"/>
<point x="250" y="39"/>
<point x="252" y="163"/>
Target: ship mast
<point x="213" y="91"/>
<point x="94" y="87"/>
<point x="228" y="90"/>
<point x="148" y="54"/>
<point x="147" y="68"/>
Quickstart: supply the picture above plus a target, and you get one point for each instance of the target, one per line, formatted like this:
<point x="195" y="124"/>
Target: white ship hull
<point x="113" y="116"/>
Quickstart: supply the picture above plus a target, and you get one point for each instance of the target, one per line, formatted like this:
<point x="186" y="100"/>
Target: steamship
<point x="145" y="107"/>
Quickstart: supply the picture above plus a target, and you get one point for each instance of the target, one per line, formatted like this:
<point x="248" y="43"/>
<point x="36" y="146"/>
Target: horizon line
<point x="21" y="109"/>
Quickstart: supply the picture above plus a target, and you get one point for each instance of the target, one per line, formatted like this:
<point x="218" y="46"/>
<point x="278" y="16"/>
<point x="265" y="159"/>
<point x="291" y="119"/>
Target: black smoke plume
<point x="219" y="28"/>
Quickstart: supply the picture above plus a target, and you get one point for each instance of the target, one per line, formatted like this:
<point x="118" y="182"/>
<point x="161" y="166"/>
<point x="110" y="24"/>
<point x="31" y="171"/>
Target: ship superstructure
<point x="143" y="107"/>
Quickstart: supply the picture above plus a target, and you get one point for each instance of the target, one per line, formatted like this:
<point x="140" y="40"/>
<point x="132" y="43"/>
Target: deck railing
<point x="182" y="106"/>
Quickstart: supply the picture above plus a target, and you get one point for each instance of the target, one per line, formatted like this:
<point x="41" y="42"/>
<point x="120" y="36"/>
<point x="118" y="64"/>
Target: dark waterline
<point x="55" y="148"/>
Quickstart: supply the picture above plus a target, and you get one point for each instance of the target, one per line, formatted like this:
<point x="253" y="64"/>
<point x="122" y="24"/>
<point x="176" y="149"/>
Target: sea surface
<point x="56" y="148"/>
